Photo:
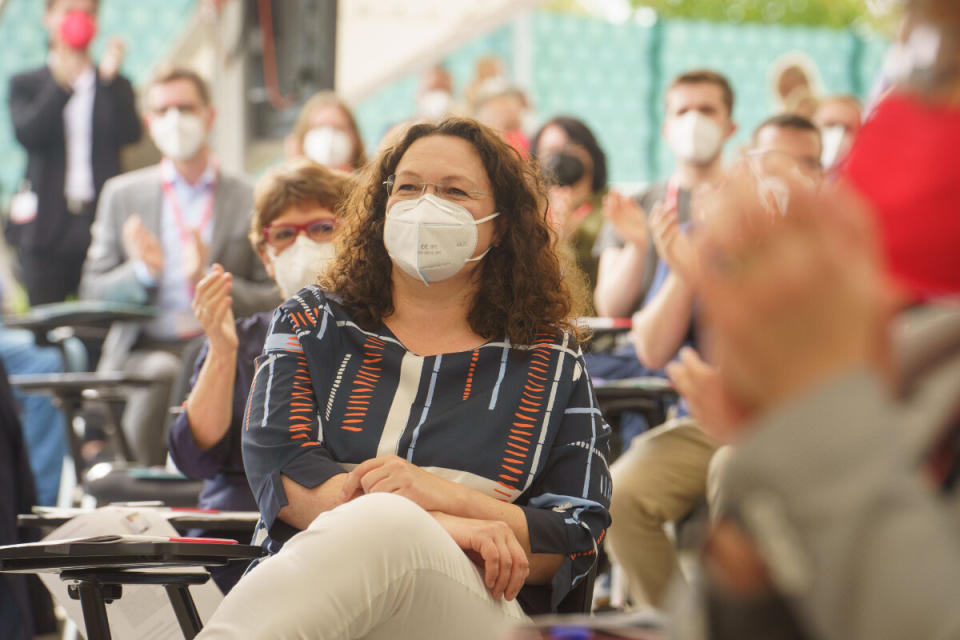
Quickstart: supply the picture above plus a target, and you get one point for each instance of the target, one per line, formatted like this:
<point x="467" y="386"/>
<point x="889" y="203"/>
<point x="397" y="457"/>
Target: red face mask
<point x="77" y="29"/>
<point x="904" y="162"/>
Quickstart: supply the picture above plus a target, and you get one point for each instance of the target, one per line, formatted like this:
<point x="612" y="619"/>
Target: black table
<point x="98" y="570"/>
<point x="69" y="391"/>
<point x="184" y="520"/>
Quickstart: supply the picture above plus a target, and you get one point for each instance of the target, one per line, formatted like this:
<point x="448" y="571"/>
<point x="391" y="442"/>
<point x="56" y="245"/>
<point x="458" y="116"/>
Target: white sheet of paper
<point x="144" y="611"/>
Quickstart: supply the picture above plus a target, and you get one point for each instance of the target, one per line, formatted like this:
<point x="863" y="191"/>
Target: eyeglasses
<point x="281" y="236"/>
<point x="410" y="189"/>
<point x="773" y="162"/>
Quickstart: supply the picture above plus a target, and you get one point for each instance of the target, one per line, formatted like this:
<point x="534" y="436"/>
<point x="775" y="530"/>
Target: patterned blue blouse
<point x="519" y="423"/>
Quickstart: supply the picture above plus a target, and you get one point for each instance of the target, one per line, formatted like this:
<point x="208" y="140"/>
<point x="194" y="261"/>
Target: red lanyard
<point x="672" y="196"/>
<point x="182" y="228"/>
<point x="186" y="232"/>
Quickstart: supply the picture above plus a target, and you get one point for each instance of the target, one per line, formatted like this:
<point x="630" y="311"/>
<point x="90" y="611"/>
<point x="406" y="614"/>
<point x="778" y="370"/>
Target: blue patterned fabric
<point x="518" y="423"/>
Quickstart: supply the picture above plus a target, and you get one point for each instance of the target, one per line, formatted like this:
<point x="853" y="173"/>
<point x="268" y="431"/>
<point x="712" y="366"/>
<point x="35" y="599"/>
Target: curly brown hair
<point x="525" y="286"/>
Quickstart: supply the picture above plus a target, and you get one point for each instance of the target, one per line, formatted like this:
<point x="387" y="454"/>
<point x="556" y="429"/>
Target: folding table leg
<point x="94" y="609"/>
<point x="186" y="610"/>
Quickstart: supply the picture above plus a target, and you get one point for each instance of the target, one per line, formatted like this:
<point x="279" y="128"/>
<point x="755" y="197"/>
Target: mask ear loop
<point x="481" y="221"/>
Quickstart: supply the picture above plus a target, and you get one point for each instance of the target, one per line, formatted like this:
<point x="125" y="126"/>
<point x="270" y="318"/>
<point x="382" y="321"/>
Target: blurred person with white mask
<point x="435" y="99"/>
<point x="326" y="132"/>
<point x="294" y="224"/>
<point x="157" y="231"/>
<point x="839" y="118"/>
<point x="72" y="117"/>
<point x="698" y="123"/>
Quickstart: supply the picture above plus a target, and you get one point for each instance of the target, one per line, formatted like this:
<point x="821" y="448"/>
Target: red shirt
<point x="906" y="163"/>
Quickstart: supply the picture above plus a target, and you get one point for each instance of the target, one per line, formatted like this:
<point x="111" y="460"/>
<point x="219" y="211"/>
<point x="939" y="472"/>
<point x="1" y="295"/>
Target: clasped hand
<point x="491" y="544"/>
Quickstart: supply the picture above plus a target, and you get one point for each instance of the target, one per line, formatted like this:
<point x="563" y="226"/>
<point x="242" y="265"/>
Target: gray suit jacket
<point x="108" y="274"/>
<point x="857" y="539"/>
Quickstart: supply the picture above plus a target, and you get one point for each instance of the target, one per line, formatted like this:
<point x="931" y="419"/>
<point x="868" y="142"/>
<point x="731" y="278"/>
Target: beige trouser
<point x="377" y="567"/>
<point x="659" y="479"/>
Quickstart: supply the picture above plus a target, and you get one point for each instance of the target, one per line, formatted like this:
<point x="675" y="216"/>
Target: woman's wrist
<point x="222" y="356"/>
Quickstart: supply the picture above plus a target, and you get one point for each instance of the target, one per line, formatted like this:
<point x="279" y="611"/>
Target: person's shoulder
<point x="256" y="323"/>
<point x="236" y="182"/>
<point x="31" y="76"/>
<point x="309" y="298"/>
<point x="555" y="338"/>
<point x="136" y="179"/>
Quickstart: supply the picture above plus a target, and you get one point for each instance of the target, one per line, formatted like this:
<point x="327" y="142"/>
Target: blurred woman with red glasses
<point x="293" y="226"/>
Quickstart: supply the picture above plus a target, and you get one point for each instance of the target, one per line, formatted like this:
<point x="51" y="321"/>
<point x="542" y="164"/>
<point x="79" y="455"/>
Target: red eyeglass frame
<point x="299" y="228"/>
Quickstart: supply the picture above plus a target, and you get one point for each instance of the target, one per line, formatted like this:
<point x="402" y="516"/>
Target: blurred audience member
<point x="294" y="223"/>
<point x="43" y="424"/>
<point x="435" y="94"/>
<point x="796" y="84"/>
<point x="327" y="133"/>
<point x="576" y="169"/>
<point x="25" y="608"/>
<point x="485" y="69"/>
<point x="72" y="118"/>
<point x="663" y="474"/>
<point x="503" y="108"/>
<point x="699" y="108"/>
<point x="839" y="119"/>
<point x="157" y="231"/>
<point x="842" y="496"/>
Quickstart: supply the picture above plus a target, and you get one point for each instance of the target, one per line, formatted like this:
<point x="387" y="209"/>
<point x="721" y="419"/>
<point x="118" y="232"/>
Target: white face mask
<point x="300" y="264"/>
<point x="695" y="138"/>
<point x="178" y="135"/>
<point x="328" y="146"/>
<point x="435" y="104"/>
<point x="431" y="238"/>
<point x="835" y="145"/>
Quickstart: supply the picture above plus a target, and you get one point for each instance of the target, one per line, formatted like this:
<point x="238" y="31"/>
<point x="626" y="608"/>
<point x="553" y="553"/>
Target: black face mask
<point x="563" y="169"/>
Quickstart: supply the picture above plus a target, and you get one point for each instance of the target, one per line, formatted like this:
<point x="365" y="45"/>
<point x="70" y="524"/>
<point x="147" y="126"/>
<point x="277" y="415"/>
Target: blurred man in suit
<point x="72" y="118"/>
<point x="156" y="232"/>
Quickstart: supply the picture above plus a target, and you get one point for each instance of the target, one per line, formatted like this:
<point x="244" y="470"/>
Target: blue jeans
<point x="43" y="423"/>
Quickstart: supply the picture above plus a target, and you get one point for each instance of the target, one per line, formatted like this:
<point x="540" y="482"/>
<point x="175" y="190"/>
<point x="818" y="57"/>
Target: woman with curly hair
<point x="424" y="444"/>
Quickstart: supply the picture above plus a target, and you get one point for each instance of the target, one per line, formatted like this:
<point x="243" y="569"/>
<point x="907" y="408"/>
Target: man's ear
<point x="732" y="130"/>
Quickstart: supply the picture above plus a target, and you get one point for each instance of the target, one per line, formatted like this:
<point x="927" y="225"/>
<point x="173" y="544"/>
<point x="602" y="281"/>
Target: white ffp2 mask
<point x="328" y="146"/>
<point x="431" y="238"/>
<point x="178" y="135"/>
<point x="695" y="138"/>
<point x="300" y="264"/>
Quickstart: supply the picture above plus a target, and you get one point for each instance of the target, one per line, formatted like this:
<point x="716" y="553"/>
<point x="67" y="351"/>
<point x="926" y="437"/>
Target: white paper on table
<point x="144" y="612"/>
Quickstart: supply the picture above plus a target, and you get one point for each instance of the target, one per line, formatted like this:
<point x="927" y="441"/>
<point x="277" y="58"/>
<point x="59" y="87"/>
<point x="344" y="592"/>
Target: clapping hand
<point x="112" y="59"/>
<point x="794" y="300"/>
<point x="141" y="244"/>
<point x="627" y="217"/>
<point x="212" y="307"/>
<point x="673" y="244"/>
<point x="195" y="258"/>
<point x="709" y="401"/>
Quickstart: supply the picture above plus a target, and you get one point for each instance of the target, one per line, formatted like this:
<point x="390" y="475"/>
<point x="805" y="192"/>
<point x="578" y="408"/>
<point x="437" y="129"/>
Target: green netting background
<point x="610" y="75"/>
<point x="613" y="76"/>
<point x="150" y="28"/>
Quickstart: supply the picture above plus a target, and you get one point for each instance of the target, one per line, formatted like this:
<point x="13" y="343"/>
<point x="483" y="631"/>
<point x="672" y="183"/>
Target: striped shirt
<point x="518" y="423"/>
